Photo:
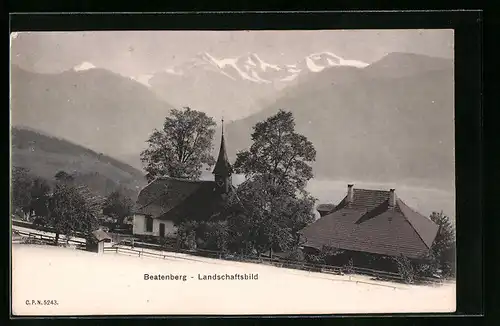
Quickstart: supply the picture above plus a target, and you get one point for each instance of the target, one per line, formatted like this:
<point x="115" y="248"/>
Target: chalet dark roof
<point x="222" y="166"/>
<point x="168" y="198"/>
<point x="369" y="224"/>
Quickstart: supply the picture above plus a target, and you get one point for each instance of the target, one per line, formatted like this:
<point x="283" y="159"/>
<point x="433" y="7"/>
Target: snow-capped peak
<point x="143" y="79"/>
<point x="250" y="67"/>
<point x="250" y="62"/>
<point x="318" y="61"/>
<point x="221" y="63"/>
<point x="354" y="63"/>
<point x="225" y="65"/>
<point x="330" y="55"/>
<point x="174" y="71"/>
<point x="84" y="66"/>
<point x="263" y="65"/>
<point x="312" y="65"/>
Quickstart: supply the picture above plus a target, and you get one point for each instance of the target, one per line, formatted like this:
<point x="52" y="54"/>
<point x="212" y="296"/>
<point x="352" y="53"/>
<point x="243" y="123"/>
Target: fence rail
<point x="30" y="225"/>
<point x="139" y="253"/>
<point x="116" y="234"/>
<point x="47" y="238"/>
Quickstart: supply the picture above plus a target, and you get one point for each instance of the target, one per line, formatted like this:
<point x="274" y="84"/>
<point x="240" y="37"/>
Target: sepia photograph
<point x="242" y="172"/>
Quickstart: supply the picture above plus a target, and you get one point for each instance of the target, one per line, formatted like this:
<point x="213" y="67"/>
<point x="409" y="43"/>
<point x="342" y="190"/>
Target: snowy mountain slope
<point x="235" y="87"/>
<point x="84" y="66"/>
<point x="392" y="120"/>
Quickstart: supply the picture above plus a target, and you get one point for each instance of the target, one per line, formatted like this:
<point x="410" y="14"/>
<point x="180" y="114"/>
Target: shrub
<point x="190" y="241"/>
<point x="296" y="254"/>
<point x="200" y="243"/>
<point x="39" y="221"/>
<point x="405" y="269"/>
<point x="323" y="255"/>
<point x="164" y="242"/>
<point x="349" y="267"/>
<point x="215" y="236"/>
<point x="429" y="266"/>
<point x="186" y="235"/>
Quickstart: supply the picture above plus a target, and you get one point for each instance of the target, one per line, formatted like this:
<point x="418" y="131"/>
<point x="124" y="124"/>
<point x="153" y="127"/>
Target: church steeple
<point x="223" y="169"/>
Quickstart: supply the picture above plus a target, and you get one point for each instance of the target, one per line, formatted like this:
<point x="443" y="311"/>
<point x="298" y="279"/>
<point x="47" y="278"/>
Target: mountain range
<point x="250" y="67"/>
<point x="392" y="119"/>
<point x="236" y="87"/>
<point x="44" y="155"/>
<point x="233" y="87"/>
<point x="95" y="108"/>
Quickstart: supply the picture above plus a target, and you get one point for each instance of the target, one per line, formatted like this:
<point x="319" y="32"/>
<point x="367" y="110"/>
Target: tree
<point x="118" y="205"/>
<point x="274" y="202"/>
<point x="21" y="189"/>
<point x="71" y="210"/>
<point x="279" y="152"/>
<point x="64" y="177"/>
<point x="443" y="247"/>
<point x="40" y="194"/>
<point x="182" y="147"/>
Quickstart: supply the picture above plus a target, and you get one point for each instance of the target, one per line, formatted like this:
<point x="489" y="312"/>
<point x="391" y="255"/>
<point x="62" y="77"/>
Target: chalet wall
<point x="170" y="229"/>
<point x="139" y="226"/>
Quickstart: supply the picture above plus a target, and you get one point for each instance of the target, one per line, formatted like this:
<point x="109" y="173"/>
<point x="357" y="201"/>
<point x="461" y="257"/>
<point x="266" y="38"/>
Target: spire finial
<point x="222" y="165"/>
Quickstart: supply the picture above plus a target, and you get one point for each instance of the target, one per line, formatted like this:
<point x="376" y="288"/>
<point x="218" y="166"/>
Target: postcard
<point x="261" y="172"/>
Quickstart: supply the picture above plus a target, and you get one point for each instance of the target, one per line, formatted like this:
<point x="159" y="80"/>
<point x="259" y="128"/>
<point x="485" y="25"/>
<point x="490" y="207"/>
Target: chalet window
<point x="149" y="224"/>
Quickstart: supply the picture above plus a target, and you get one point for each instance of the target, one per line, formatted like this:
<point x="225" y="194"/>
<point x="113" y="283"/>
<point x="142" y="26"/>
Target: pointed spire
<point x="222" y="166"/>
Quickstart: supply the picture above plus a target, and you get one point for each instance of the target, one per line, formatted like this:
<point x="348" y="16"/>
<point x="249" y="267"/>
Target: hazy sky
<point x="140" y="52"/>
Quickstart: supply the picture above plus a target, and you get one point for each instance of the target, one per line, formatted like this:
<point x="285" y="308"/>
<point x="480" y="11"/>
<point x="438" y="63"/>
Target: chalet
<point x="368" y="224"/>
<point x="166" y="200"/>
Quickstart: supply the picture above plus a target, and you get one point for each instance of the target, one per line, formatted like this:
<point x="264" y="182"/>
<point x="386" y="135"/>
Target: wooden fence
<point x="30" y="225"/>
<point x="116" y="237"/>
<point x="47" y="238"/>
